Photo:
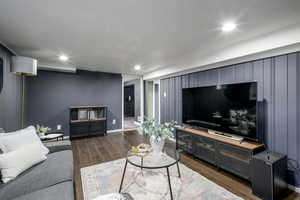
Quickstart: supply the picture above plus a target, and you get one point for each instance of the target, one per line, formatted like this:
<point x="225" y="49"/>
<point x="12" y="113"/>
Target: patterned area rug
<point x="105" y="178"/>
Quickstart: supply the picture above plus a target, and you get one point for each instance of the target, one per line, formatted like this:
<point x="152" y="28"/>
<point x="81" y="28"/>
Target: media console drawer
<point x="185" y="141"/>
<point x="204" y="148"/>
<point x="234" y="159"/>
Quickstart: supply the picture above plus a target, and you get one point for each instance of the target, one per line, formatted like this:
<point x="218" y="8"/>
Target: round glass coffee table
<point x="153" y="161"/>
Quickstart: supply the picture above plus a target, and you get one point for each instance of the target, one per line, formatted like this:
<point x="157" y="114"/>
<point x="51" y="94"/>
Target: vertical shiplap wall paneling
<point x="169" y="95"/>
<point x="268" y="97"/>
<point x="258" y="75"/>
<point x="193" y="80"/>
<point x="201" y="79"/>
<point x="172" y="99"/>
<point x="169" y="100"/>
<point x="244" y="72"/>
<point x="278" y="80"/>
<point x="292" y="104"/>
<point x="227" y="75"/>
<point x="240" y="74"/>
<point x="166" y="99"/>
<point x="178" y="98"/>
<point x="162" y="101"/>
<point x="281" y="104"/>
<point x="212" y="77"/>
<point x="185" y="81"/>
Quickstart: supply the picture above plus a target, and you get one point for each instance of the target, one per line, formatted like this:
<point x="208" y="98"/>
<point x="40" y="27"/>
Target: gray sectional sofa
<point x="50" y="180"/>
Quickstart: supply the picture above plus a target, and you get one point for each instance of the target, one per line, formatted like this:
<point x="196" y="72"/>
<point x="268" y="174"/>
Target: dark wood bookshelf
<point x="88" y="121"/>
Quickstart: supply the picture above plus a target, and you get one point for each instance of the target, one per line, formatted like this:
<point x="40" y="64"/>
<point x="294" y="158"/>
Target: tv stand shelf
<point x="225" y="153"/>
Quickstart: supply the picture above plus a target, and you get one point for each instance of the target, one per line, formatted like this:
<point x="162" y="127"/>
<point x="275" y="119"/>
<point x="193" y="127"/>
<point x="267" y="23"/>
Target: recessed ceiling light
<point x="63" y="58"/>
<point x="137" y="67"/>
<point x="228" y="26"/>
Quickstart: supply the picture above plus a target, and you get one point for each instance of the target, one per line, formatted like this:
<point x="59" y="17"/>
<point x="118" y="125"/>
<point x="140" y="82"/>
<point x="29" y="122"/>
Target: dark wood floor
<point x="95" y="150"/>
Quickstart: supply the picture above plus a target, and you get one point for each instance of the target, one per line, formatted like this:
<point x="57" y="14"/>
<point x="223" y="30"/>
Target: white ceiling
<point x="114" y="35"/>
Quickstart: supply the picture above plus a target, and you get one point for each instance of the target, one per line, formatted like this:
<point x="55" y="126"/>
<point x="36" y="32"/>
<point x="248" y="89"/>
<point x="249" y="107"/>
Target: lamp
<point x="23" y="66"/>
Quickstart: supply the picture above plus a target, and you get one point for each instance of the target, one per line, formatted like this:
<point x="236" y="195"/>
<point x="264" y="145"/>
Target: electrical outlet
<point x="58" y="127"/>
<point x="114" y="121"/>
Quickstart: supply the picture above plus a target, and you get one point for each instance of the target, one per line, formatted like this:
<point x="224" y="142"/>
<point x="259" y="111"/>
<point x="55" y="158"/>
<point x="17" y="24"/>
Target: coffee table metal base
<point x="168" y="174"/>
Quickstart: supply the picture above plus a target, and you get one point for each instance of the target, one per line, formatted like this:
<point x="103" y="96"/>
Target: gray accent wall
<point x="50" y="94"/>
<point x="278" y="81"/>
<point x="137" y="96"/>
<point x="10" y="96"/>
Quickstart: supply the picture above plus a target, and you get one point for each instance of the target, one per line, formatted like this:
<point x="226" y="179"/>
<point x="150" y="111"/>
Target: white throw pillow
<point x="15" y="162"/>
<point x="14" y="140"/>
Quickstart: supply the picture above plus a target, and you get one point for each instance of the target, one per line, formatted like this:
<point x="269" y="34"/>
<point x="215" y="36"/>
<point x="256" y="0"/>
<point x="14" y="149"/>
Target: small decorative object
<point x="158" y="133"/>
<point x="82" y="114"/>
<point x="42" y="130"/>
<point x="140" y="150"/>
<point x="93" y="114"/>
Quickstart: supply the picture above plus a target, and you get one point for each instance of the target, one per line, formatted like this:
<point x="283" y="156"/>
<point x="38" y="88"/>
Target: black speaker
<point x="261" y="120"/>
<point x="268" y="175"/>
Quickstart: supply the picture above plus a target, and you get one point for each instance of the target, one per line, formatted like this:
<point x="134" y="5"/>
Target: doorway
<point x="129" y="101"/>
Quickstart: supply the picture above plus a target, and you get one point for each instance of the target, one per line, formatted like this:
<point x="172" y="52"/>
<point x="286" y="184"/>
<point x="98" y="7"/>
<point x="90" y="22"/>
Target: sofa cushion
<point x="15" y="162"/>
<point x="14" y="140"/>
<point x="56" y="169"/>
<point x="61" y="191"/>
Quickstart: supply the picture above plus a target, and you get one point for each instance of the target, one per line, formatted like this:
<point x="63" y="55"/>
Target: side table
<point x="53" y="136"/>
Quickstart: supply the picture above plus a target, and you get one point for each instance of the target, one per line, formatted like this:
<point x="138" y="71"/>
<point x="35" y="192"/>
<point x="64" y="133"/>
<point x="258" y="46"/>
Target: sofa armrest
<point x="56" y="146"/>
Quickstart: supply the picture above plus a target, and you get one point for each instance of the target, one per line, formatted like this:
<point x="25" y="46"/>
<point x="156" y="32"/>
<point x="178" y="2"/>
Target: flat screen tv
<point x="229" y="108"/>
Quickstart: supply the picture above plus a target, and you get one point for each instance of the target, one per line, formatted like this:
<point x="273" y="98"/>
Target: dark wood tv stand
<point x="224" y="153"/>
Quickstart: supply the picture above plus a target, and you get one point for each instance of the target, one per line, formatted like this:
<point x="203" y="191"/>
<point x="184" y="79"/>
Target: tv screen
<point x="227" y="108"/>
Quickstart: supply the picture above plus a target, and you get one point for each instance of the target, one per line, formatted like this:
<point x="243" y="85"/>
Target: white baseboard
<point x="114" y="131"/>
<point x="137" y="123"/>
<point x="294" y="188"/>
<point x="130" y="129"/>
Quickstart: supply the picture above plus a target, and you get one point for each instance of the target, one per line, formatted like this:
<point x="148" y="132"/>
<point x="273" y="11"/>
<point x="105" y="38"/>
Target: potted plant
<point x="42" y="130"/>
<point x="158" y="133"/>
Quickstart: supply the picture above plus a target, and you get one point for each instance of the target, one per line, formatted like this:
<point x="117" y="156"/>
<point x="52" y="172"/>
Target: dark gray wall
<point x="278" y="84"/>
<point x="10" y="97"/>
<point x="137" y="96"/>
<point x="50" y="94"/>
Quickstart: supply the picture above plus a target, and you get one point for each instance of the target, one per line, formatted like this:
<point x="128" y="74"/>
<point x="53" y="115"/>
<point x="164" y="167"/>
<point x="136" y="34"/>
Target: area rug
<point x="105" y="178"/>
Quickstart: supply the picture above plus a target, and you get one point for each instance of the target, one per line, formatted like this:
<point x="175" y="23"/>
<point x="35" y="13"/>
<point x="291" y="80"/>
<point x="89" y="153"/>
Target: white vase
<point x="157" y="144"/>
